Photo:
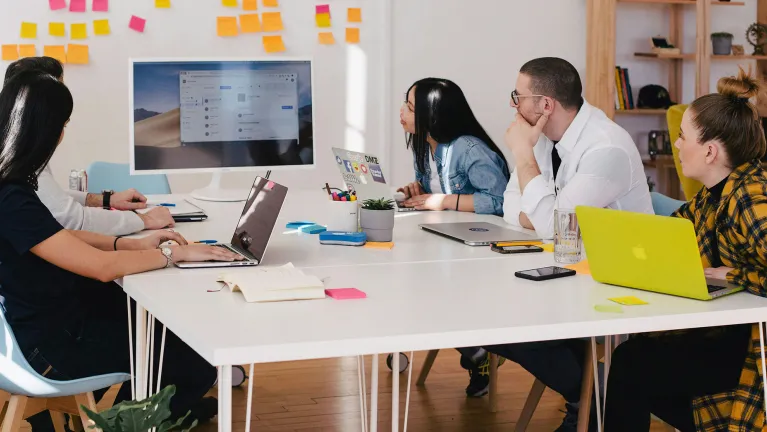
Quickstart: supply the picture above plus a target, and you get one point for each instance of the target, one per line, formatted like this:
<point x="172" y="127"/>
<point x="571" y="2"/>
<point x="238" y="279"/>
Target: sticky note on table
<point x="100" y="6"/>
<point x="321" y="9"/>
<point x="345" y="293"/>
<point x="27" y="51"/>
<point x="101" y="27"/>
<point x="352" y="35"/>
<point x="57" y="29"/>
<point x="229" y="3"/>
<point x="272" y="21"/>
<point x="326" y="38"/>
<point x="162" y="4"/>
<point x="548" y="247"/>
<point x="273" y="44"/>
<point x="227" y="26"/>
<point x="77" y="5"/>
<point x="28" y="30"/>
<point x="608" y="308"/>
<point x="137" y="24"/>
<point x="271" y="3"/>
<point x="58" y="52"/>
<point x="77" y="54"/>
<point x="79" y="31"/>
<point x="9" y="52"/>
<point x="57" y="4"/>
<point x="323" y="20"/>
<point x="580" y="268"/>
<point x="379" y="245"/>
<point x="628" y="301"/>
<point x="354" y="15"/>
<point x="250" y="23"/>
<point x="249" y="5"/>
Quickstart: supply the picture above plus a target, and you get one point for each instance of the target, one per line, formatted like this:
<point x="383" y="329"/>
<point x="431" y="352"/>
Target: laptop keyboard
<point x="714" y="288"/>
<point x="234" y="250"/>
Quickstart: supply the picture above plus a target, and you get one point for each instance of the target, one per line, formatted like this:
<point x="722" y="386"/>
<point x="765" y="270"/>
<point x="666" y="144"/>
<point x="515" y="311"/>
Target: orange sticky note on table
<point x="272" y="21"/>
<point x="379" y="245"/>
<point x="580" y="268"/>
<point x="352" y="35"/>
<point x="323" y="20"/>
<point x="27" y="51"/>
<point x="274" y="44"/>
<point x="326" y="38"/>
<point x="271" y="3"/>
<point x="101" y="27"/>
<point x="77" y="54"/>
<point x="28" y="30"/>
<point x="79" y="31"/>
<point x="57" y="29"/>
<point x="354" y="15"/>
<point x="229" y="3"/>
<point x="58" y="52"/>
<point x="249" y="5"/>
<point x="10" y="52"/>
<point x="162" y="4"/>
<point x="227" y="26"/>
<point x="249" y="23"/>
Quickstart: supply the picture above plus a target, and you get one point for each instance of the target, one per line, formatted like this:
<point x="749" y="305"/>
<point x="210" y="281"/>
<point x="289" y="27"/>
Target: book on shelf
<point x="623" y="93"/>
<point x="618" y="90"/>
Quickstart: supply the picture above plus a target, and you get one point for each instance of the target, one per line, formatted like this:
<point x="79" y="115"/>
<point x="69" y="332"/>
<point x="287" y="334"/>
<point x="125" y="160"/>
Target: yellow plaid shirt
<point x="737" y="225"/>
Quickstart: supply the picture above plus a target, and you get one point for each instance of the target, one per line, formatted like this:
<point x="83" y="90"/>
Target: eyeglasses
<point x="515" y="96"/>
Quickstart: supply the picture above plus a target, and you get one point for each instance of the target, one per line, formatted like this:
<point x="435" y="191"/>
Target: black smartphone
<point x="545" y="273"/>
<point x="516" y="249"/>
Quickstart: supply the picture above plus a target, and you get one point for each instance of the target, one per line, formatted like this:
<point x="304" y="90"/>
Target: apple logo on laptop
<point x="479" y="229"/>
<point x="639" y="253"/>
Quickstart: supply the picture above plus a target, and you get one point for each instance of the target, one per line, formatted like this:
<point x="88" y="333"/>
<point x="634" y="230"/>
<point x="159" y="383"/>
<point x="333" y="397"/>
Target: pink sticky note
<point x="137" y="24"/>
<point x="323" y="9"/>
<point x="77" y="6"/>
<point x="100" y="5"/>
<point x="345" y="293"/>
<point x="57" y="4"/>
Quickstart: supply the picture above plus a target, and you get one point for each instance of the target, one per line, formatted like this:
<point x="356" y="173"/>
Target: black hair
<point x="34" y="108"/>
<point x="49" y="65"/>
<point x="442" y="112"/>
<point x="557" y="79"/>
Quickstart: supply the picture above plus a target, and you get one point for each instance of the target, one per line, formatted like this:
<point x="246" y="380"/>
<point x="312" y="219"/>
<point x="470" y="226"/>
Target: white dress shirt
<point x="601" y="167"/>
<point x="68" y="207"/>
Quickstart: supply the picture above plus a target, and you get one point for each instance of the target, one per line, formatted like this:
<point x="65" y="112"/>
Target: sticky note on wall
<point x="273" y="44"/>
<point x="227" y="26"/>
<point x="28" y="30"/>
<point x="101" y="27"/>
<point x="354" y="15"/>
<point x="57" y="29"/>
<point x="229" y="3"/>
<point x="77" y="5"/>
<point x="100" y="5"/>
<point x="162" y="4"/>
<point x="326" y="38"/>
<point x="79" y="31"/>
<point x="137" y="24"/>
<point x="271" y="3"/>
<point x="250" y="23"/>
<point x="249" y="5"/>
<point x="352" y="35"/>
<point x="77" y="54"/>
<point x="27" y="50"/>
<point x="272" y="21"/>
<point x="56" y="51"/>
<point x="57" y="4"/>
<point x="320" y="9"/>
<point x="323" y="20"/>
<point x="9" y="52"/>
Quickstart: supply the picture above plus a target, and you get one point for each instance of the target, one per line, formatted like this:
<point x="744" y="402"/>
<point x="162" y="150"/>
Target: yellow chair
<point x="674" y="115"/>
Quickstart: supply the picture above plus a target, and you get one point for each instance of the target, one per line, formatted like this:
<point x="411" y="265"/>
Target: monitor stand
<point x="214" y="192"/>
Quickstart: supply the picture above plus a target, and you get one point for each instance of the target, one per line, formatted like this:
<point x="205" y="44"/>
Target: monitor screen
<point x="209" y="115"/>
<point x="259" y="217"/>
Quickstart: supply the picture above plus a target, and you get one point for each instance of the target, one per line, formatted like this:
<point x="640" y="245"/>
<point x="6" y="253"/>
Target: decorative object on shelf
<point x="650" y="184"/>
<point x="722" y="43"/>
<point x="738" y="50"/>
<point x="652" y="144"/>
<point x="658" y="143"/>
<point x="756" y="35"/>
<point x="660" y="45"/>
<point x="654" y="96"/>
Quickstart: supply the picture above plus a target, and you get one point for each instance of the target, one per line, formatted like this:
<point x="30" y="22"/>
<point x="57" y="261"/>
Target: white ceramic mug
<point x="342" y="216"/>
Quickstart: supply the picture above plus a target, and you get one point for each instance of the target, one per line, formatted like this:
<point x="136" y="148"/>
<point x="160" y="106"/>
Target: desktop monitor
<point x="220" y="115"/>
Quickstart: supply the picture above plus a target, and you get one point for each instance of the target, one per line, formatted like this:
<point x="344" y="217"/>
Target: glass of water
<point x="567" y="237"/>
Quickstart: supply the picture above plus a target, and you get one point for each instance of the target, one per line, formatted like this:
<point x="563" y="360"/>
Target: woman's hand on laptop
<point x="434" y="202"/>
<point x="718" y="273"/>
<point x="200" y="252"/>
<point x="412" y="189"/>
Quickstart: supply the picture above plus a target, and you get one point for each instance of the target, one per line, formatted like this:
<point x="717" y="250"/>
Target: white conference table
<point x="418" y="295"/>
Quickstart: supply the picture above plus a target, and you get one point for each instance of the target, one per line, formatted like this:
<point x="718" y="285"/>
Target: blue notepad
<point x="343" y="238"/>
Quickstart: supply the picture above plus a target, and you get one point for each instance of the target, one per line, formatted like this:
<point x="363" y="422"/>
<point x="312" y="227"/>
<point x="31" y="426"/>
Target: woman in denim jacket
<point x="457" y="165"/>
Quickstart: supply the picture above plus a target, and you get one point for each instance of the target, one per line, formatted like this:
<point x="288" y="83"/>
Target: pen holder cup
<point x="342" y="216"/>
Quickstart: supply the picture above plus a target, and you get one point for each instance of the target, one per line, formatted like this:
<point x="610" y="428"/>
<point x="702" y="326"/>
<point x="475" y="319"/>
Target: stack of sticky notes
<point x="353" y="15"/>
<point x="322" y="17"/>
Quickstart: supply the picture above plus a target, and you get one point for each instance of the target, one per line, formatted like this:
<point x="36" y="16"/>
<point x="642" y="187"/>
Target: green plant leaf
<point x="135" y="416"/>
<point x="168" y="427"/>
<point x="378" y="204"/>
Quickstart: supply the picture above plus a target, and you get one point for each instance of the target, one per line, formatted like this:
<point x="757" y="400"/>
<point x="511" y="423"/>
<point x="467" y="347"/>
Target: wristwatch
<point x="107" y="194"/>
<point x="168" y="253"/>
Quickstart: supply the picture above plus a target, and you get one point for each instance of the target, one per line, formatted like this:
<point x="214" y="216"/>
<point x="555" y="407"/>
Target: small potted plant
<point x="722" y="43"/>
<point x="139" y="416"/>
<point x="377" y="219"/>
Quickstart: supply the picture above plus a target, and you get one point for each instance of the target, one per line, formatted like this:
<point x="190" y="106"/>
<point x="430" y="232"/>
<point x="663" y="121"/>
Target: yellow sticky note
<point x="10" y="52"/>
<point x="548" y="247"/>
<point x="628" y="301"/>
<point x="581" y="268"/>
<point x="162" y="4"/>
<point x="323" y="20"/>
<point x="27" y="51"/>
<point x="229" y="3"/>
<point x="227" y="26"/>
<point x="271" y="3"/>
<point x="249" y="5"/>
<point x="77" y="54"/>
<point x="326" y="38"/>
<point x="379" y="245"/>
<point x="354" y="15"/>
<point x="28" y="30"/>
<point x="273" y="44"/>
<point x="352" y="35"/>
<point x="79" y="31"/>
<point x="58" y="52"/>
<point x="272" y="21"/>
<point x="57" y="29"/>
<point x="249" y="23"/>
<point x="101" y="27"/>
<point x="608" y="308"/>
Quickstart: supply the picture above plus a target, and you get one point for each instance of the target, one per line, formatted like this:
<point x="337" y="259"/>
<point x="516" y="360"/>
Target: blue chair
<point x="112" y="176"/>
<point x="663" y="205"/>
<point x="21" y="382"/>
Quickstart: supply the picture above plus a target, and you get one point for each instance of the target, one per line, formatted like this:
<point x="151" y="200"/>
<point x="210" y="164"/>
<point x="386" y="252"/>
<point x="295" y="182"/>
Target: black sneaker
<point x="203" y="411"/>
<point x="570" y="422"/>
<point x="479" y="383"/>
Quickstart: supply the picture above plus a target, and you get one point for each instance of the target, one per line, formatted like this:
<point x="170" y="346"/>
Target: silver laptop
<point x="477" y="233"/>
<point x="251" y="236"/>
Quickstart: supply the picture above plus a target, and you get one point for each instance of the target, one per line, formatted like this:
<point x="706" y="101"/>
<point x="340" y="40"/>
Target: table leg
<point x="361" y="386"/>
<point x="225" y="399"/>
<point x="162" y="355"/>
<point x="250" y="399"/>
<point x="409" y="381"/>
<point x="130" y="352"/>
<point x="395" y="392"/>
<point x="764" y="367"/>
<point x="140" y="378"/>
<point x="596" y="382"/>
<point x="374" y="394"/>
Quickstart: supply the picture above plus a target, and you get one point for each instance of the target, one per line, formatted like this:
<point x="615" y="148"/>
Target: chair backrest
<point x="663" y="205"/>
<point x="674" y="115"/>
<point x="16" y="375"/>
<point x="112" y="176"/>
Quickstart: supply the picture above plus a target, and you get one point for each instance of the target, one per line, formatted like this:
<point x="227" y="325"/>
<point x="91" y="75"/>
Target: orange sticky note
<point x="162" y="4"/>
<point x="326" y="38"/>
<point x="10" y="52"/>
<point x="58" y="52"/>
<point x="28" y="30"/>
<point x="227" y="26"/>
<point x="580" y="268"/>
<point x="272" y="21"/>
<point x="249" y="5"/>
<point x="354" y="15"/>
<point x="249" y="23"/>
<point x="271" y="3"/>
<point x="79" y="31"/>
<point x="27" y="51"/>
<point x="57" y="29"/>
<point x="229" y="3"/>
<point x="379" y="245"/>
<point x="77" y="54"/>
<point x="352" y="35"/>
<point x="323" y="20"/>
<point x="274" y="44"/>
<point x="101" y="27"/>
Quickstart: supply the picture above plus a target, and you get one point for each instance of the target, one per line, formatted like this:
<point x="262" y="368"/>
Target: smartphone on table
<point x="515" y="249"/>
<point x="545" y="273"/>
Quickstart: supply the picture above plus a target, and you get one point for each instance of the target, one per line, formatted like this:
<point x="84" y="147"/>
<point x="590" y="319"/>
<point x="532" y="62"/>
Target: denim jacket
<point x="467" y="166"/>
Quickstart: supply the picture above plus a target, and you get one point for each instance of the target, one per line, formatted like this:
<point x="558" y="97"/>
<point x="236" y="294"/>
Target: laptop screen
<point x="259" y="217"/>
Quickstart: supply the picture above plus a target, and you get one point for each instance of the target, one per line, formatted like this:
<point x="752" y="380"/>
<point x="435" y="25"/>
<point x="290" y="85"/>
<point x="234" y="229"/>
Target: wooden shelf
<point x="641" y="111"/>
<point x="739" y="57"/>
<point x="684" y="2"/>
<point x="652" y="55"/>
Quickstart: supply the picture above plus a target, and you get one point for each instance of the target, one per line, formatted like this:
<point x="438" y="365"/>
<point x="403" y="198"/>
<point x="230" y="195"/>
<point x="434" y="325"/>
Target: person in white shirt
<point x="85" y="211"/>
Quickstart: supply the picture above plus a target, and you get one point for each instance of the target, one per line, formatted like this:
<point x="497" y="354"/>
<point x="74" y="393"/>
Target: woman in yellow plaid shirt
<point x="708" y="379"/>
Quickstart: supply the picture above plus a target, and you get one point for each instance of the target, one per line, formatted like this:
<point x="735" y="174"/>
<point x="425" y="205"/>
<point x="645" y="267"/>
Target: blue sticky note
<point x="298" y="225"/>
<point x="313" y="229"/>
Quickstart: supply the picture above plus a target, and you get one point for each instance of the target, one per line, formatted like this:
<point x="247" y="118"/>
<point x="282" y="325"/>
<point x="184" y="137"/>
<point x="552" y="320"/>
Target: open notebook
<point x="182" y="211"/>
<point x="268" y="284"/>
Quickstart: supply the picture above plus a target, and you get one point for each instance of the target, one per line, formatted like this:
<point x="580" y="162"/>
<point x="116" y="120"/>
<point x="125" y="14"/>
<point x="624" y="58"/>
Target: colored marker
<point x="207" y="241"/>
<point x="166" y="205"/>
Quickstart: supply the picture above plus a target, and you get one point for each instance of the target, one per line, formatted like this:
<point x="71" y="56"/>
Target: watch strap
<point x="107" y="194"/>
